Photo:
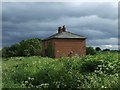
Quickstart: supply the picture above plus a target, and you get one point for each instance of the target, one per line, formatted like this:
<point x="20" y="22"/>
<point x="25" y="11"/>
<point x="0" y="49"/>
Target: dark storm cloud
<point x="46" y="11"/>
<point x="96" y="21"/>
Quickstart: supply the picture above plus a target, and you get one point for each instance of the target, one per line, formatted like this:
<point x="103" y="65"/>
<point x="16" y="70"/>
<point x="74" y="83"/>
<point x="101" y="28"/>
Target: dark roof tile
<point x="65" y="35"/>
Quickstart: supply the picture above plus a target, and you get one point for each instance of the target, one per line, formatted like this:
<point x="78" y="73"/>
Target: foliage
<point x="106" y="49"/>
<point x="90" y="51"/>
<point x="98" y="49"/>
<point x="5" y="52"/>
<point x="28" y="47"/>
<point x="98" y="71"/>
<point x="31" y="47"/>
<point x="50" y="50"/>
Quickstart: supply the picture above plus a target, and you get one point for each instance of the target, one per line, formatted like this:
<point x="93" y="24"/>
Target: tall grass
<point x="98" y="71"/>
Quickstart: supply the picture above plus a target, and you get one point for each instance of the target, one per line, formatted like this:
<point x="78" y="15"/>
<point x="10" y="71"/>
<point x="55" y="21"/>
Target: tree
<point x="28" y="47"/>
<point x="106" y="49"/>
<point x="31" y="47"/>
<point x="98" y="49"/>
<point x="15" y="48"/>
<point x="11" y="51"/>
<point x="5" y="52"/>
<point x="90" y="51"/>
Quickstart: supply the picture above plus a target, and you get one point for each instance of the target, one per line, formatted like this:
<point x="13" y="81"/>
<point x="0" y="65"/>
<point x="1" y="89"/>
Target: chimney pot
<point x="64" y="28"/>
<point x="59" y="29"/>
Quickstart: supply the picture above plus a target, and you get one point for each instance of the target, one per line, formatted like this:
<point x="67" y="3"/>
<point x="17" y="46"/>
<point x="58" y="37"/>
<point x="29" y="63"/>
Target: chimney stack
<point x="60" y="29"/>
<point x="64" y="28"/>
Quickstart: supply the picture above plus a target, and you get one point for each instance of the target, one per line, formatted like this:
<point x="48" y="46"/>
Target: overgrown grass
<point x="98" y="71"/>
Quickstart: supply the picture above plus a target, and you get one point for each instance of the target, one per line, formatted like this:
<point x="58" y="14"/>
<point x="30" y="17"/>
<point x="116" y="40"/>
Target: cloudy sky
<point x="98" y="21"/>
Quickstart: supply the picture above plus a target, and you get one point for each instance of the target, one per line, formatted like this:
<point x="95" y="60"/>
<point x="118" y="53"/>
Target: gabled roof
<point x="65" y="35"/>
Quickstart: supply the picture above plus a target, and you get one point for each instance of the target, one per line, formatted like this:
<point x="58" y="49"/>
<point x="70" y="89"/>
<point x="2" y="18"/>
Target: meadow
<point x="91" y="71"/>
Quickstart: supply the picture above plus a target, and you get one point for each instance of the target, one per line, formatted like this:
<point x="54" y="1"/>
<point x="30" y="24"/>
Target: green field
<point x="98" y="71"/>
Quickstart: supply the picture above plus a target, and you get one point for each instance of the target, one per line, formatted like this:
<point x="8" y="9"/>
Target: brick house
<point x="65" y="44"/>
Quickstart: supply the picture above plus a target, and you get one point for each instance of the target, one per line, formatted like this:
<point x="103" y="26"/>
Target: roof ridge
<point x="76" y="34"/>
<point x="52" y="35"/>
<point x="65" y="35"/>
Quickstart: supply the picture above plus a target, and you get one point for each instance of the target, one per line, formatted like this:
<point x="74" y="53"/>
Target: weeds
<point x="98" y="71"/>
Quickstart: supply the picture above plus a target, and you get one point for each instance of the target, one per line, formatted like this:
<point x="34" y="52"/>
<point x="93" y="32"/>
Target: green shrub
<point x="106" y="49"/>
<point x="90" y="51"/>
<point x="98" y="49"/>
<point x="90" y="66"/>
<point x="50" y="50"/>
<point x="98" y="71"/>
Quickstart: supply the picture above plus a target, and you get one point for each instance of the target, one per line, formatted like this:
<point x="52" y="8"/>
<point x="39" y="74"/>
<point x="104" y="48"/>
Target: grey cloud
<point x="108" y="41"/>
<point x="29" y="20"/>
<point x="46" y="11"/>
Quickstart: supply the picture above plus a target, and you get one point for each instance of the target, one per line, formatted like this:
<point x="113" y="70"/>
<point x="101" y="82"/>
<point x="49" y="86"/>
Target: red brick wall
<point x="63" y="47"/>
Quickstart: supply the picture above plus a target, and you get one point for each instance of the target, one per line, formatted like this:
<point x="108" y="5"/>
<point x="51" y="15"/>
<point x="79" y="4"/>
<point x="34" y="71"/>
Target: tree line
<point x="28" y="47"/>
<point x="92" y="51"/>
<point x="33" y="47"/>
